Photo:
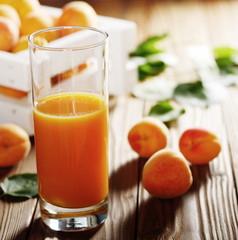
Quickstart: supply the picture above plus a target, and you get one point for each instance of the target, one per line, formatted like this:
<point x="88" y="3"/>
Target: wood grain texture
<point x="16" y="215"/>
<point x="209" y="209"/>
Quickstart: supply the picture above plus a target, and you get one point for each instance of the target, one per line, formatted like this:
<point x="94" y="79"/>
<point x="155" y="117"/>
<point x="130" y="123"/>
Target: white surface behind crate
<point x="122" y="40"/>
<point x="15" y="70"/>
<point x="16" y="111"/>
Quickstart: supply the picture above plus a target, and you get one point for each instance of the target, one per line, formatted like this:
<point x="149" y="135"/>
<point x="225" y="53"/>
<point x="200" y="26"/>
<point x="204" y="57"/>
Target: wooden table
<point x="209" y="209"/>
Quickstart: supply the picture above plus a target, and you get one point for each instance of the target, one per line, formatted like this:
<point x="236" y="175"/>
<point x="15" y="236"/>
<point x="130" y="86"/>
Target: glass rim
<point x="47" y="48"/>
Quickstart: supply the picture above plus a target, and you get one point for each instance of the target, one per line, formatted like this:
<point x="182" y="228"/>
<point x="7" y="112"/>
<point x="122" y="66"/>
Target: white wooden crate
<point x="15" y="69"/>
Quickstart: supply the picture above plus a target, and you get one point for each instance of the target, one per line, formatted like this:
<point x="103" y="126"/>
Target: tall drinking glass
<point x="69" y="68"/>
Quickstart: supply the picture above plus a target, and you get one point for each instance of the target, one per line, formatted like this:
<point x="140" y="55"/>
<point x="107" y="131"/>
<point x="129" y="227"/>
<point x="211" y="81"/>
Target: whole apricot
<point x="10" y="12"/>
<point x="8" y="2"/>
<point x="9" y="34"/>
<point x="24" y="7"/>
<point x="14" y="144"/>
<point x="199" y="146"/>
<point x="166" y="174"/>
<point x="78" y="13"/>
<point x="22" y="44"/>
<point x="35" y="21"/>
<point x="148" y="136"/>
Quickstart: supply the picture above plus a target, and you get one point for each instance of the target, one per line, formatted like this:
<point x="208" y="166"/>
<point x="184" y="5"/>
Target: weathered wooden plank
<point x="230" y="112"/>
<point x="208" y="210"/>
<point x="16" y="215"/>
<point x="123" y="171"/>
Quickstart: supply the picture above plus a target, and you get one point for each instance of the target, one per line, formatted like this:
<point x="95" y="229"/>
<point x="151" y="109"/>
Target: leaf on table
<point x="20" y="185"/>
<point x="226" y="59"/>
<point x="157" y="89"/>
<point x="199" y="93"/>
<point x="224" y="52"/>
<point x="208" y="60"/>
<point x="151" y="69"/>
<point x="150" y="59"/>
<point x="165" y="112"/>
<point x="154" y="64"/>
<point x="148" y="47"/>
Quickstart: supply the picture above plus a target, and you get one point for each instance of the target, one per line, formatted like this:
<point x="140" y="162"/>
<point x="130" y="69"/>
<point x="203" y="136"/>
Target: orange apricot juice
<point x="71" y="140"/>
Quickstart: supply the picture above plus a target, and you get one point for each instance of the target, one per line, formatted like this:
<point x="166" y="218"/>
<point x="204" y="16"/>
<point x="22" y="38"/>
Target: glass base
<point x="73" y="219"/>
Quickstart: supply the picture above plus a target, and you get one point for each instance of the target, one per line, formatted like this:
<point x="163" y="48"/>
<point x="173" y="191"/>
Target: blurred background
<point x="187" y="22"/>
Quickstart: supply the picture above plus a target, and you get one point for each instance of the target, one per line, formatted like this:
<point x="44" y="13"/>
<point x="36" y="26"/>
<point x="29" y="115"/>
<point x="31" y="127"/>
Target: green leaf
<point x="199" y="94"/>
<point x="151" y="69"/>
<point x="226" y="59"/>
<point x="165" y="112"/>
<point x="227" y="66"/>
<point x="20" y="185"/>
<point x="148" y="47"/>
<point x="224" y="62"/>
<point x="224" y="52"/>
<point x="194" y="89"/>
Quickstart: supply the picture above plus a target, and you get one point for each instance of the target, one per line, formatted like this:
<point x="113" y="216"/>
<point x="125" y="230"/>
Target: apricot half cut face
<point x="199" y="146"/>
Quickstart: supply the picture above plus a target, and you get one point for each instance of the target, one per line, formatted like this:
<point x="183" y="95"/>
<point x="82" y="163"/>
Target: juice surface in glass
<point x="71" y="139"/>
